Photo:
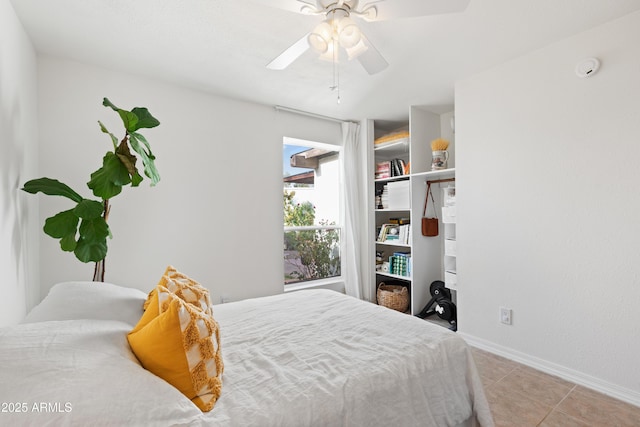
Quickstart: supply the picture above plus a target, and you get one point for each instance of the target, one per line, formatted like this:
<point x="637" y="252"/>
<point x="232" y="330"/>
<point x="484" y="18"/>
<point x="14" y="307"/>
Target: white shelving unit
<point x="450" y="251"/>
<point x="427" y="259"/>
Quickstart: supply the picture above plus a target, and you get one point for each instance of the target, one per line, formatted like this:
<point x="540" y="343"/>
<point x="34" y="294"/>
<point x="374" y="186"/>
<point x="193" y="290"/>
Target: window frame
<point x="341" y="215"/>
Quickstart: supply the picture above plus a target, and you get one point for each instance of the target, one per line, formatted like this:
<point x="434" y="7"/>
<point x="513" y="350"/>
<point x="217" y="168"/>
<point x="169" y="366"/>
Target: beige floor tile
<point x="560" y="419"/>
<point x="598" y="409"/>
<point x="520" y="396"/>
<point x="492" y="368"/>
<point x="537" y="385"/>
<point x="512" y="408"/>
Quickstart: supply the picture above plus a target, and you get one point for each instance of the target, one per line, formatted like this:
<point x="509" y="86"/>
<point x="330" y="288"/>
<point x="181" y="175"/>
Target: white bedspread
<point x="309" y="358"/>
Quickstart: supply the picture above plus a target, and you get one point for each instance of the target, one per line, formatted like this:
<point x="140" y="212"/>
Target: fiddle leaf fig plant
<point x="83" y="229"/>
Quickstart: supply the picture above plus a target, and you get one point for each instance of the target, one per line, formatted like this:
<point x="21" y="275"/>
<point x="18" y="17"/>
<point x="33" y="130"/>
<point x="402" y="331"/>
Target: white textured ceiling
<point x="222" y="47"/>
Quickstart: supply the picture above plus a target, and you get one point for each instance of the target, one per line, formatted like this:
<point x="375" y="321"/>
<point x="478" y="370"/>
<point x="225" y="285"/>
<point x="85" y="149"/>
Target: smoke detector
<point x="587" y="67"/>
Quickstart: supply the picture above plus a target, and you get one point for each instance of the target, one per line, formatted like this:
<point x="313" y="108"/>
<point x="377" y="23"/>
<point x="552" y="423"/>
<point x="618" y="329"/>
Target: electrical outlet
<point x="505" y="315"/>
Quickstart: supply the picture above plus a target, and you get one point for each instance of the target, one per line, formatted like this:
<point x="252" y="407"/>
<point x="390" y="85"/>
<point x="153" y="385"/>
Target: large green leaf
<point x="89" y="209"/>
<point x="137" y="141"/>
<point x="145" y="119"/>
<point x="61" y="224"/>
<point x="107" y="181"/>
<point x="51" y="187"/>
<point x="92" y="243"/>
<point x="90" y="250"/>
<point x="94" y="229"/>
<point x="129" y="119"/>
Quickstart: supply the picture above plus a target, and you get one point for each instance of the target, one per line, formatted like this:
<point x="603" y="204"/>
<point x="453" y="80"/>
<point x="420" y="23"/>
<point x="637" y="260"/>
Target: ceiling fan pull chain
<point x="336" y="70"/>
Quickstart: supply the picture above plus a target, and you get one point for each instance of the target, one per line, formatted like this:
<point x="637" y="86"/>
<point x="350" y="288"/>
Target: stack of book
<point x="384" y="198"/>
<point x="400" y="263"/>
<point x="391" y="168"/>
<point x="383" y="170"/>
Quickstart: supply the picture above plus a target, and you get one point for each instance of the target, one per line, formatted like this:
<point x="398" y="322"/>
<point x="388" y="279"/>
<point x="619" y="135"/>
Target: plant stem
<point x="99" y="269"/>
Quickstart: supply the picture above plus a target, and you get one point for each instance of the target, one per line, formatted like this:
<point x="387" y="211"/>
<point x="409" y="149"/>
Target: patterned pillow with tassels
<point x="181" y="344"/>
<point x="184" y="287"/>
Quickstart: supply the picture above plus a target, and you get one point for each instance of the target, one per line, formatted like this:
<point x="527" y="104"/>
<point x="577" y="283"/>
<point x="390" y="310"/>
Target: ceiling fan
<point x="338" y="30"/>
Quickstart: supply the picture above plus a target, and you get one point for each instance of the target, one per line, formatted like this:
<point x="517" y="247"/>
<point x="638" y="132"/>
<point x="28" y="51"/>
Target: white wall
<point x="217" y="212"/>
<point x="447" y="131"/>
<point x="18" y="161"/>
<point x="548" y="208"/>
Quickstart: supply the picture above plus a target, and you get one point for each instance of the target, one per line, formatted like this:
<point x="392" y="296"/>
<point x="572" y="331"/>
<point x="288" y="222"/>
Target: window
<point x="312" y="212"/>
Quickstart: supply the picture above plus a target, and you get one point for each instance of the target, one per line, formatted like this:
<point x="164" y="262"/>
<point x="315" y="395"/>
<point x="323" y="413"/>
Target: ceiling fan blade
<point x="290" y="5"/>
<point x="372" y="60"/>
<point x="292" y="53"/>
<point x="391" y="9"/>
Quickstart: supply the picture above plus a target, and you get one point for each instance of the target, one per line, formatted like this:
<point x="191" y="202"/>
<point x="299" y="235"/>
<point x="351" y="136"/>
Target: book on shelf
<point x="394" y="233"/>
<point x="400" y="263"/>
<point x="405" y="234"/>
<point x="384" y="229"/>
<point x="398" y="167"/>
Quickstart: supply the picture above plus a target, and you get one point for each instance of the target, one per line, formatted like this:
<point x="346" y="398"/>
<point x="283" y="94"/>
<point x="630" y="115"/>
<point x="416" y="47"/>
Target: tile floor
<point x="520" y="396"/>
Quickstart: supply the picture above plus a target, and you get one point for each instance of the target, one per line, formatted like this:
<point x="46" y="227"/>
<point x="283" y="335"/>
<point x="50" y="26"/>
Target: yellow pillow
<point x="184" y="287"/>
<point x="151" y="310"/>
<point x="182" y="346"/>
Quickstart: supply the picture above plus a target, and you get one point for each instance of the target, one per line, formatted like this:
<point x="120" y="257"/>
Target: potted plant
<point x="83" y="229"/>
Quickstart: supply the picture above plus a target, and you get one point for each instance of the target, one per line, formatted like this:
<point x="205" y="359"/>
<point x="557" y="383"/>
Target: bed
<point x="306" y="358"/>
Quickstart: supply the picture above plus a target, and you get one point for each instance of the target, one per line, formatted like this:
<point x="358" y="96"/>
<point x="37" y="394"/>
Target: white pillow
<point x="89" y="300"/>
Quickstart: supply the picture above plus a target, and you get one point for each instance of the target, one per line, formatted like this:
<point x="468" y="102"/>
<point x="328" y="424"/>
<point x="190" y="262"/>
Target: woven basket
<point x="395" y="297"/>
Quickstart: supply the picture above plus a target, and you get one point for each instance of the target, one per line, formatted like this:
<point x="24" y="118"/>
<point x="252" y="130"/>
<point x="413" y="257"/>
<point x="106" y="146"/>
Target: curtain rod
<point x="306" y="113"/>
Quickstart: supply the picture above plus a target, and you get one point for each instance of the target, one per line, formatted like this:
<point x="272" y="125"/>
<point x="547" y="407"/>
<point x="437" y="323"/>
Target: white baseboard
<point x="613" y="390"/>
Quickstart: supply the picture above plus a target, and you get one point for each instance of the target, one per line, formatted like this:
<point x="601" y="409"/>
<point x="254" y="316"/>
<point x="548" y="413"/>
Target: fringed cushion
<point x="184" y="287"/>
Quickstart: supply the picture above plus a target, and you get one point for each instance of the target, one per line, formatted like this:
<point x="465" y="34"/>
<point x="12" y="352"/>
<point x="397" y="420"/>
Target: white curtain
<point x="355" y="209"/>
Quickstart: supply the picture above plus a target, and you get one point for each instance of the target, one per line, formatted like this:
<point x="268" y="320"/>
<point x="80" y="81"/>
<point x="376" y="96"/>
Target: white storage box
<point x="450" y="247"/>
<point x="449" y="214"/>
<point x="450" y="279"/>
<point x="399" y="195"/>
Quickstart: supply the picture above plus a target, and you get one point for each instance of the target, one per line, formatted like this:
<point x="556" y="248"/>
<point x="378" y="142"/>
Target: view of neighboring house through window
<point x="312" y="211"/>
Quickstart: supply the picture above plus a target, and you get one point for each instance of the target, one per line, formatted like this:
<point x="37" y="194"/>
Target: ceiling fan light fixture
<point x="348" y="32"/>
<point x="320" y="37"/>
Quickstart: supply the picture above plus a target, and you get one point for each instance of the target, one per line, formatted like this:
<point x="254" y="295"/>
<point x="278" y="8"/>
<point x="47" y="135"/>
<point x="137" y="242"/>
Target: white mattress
<point x="308" y="358"/>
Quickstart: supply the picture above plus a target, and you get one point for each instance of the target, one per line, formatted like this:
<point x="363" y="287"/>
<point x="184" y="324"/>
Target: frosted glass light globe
<point x="320" y="37"/>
